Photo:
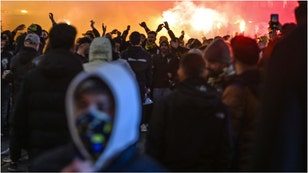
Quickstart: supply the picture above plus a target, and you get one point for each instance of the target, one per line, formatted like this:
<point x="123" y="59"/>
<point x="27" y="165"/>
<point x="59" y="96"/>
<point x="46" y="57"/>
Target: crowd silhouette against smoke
<point x="190" y="86"/>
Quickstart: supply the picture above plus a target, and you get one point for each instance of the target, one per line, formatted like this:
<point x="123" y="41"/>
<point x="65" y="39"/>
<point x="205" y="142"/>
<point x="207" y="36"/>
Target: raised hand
<point x="20" y="27"/>
<point x="159" y="27"/>
<point x="92" y="23"/>
<point x="104" y="28"/>
<point x="50" y="16"/>
<point x="166" y="25"/>
<point x="143" y="24"/>
<point x="52" y="19"/>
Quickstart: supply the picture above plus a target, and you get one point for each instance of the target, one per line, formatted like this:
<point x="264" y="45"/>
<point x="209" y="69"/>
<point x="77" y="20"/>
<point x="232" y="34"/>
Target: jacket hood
<point x="127" y="117"/>
<point x="99" y="53"/>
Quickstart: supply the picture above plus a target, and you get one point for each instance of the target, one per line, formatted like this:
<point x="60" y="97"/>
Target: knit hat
<point x="100" y="49"/>
<point x="245" y="50"/>
<point x="32" y="38"/>
<point x="35" y="28"/>
<point x="217" y="51"/>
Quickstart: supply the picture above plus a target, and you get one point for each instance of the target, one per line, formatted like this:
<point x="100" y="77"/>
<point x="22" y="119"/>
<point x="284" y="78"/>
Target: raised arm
<point x="95" y="31"/>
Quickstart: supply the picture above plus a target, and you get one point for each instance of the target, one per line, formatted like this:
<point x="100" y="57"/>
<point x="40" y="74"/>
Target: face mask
<point x="94" y="128"/>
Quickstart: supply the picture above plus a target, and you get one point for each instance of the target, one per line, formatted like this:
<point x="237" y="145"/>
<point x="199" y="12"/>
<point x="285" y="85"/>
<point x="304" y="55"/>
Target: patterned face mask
<point x="94" y="128"/>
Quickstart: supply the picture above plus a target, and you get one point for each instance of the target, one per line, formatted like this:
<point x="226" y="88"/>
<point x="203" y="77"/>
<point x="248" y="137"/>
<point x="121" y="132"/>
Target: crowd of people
<point x="229" y="103"/>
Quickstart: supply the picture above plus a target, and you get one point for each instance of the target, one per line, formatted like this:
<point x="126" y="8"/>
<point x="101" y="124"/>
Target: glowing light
<point x="242" y="26"/>
<point x="24" y="11"/>
<point x="65" y="21"/>
<point x="170" y="18"/>
<point x="218" y="25"/>
<point x="195" y="20"/>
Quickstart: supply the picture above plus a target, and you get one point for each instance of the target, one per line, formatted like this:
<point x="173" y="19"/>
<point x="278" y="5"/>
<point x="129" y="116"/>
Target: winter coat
<point x="141" y="63"/>
<point x="39" y="122"/>
<point x="129" y="160"/>
<point x="161" y="67"/>
<point x="282" y="130"/>
<point x="6" y="57"/>
<point x="20" y="65"/>
<point x="189" y="129"/>
<point x="242" y="97"/>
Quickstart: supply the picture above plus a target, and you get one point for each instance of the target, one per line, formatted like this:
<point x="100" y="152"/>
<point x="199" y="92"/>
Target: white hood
<point x="125" y="130"/>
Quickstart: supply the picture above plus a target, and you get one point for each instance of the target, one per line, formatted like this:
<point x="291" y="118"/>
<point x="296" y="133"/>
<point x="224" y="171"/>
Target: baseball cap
<point x="32" y="38"/>
<point x="35" y="28"/>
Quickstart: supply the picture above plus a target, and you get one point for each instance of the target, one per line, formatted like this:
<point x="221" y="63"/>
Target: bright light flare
<point x="170" y="17"/>
<point x="195" y="20"/>
<point x="242" y="26"/>
<point x="24" y="11"/>
<point x="199" y="23"/>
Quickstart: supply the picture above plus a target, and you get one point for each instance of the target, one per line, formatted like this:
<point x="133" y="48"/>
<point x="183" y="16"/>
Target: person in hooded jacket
<point x="20" y="65"/>
<point x="100" y="52"/>
<point x="103" y="125"/>
<point x="22" y="62"/>
<point x="189" y="129"/>
<point x="39" y="121"/>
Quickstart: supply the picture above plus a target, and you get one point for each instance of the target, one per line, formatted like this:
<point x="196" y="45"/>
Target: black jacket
<point x="129" y="160"/>
<point x="161" y="67"/>
<point x="39" y="122"/>
<point x="189" y="129"/>
<point x="20" y="65"/>
<point x="141" y="63"/>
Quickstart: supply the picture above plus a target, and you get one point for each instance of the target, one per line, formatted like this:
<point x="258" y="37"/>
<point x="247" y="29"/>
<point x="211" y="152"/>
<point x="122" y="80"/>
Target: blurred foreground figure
<point x="39" y="120"/>
<point x="103" y="125"/>
<point x="190" y="129"/>
<point x="282" y="134"/>
<point x="242" y="96"/>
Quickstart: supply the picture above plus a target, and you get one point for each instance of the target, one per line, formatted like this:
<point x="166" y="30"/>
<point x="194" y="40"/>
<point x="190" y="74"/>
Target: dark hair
<point x="92" y="85"/>
<point x="84" y="40"/>
<point x="164" y="42"/>
<point x="192" y="64"/>
<point x="152" y="32"/>
<point x="134" y="38"/>
<point x="62" y="35"/>
<point x="301" y="13"/>
<point x="245" y="50"/>
<point x="195" y="43"/>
